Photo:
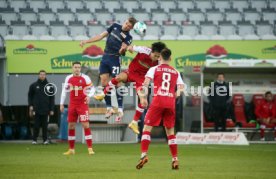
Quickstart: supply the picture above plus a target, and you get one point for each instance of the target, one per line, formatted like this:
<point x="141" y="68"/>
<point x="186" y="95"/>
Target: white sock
<point x="120" y="110"/>
<point x="143" y="154"/>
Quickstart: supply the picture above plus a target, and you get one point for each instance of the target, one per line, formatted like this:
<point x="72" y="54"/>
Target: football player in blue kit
<point x="118" y="39"/>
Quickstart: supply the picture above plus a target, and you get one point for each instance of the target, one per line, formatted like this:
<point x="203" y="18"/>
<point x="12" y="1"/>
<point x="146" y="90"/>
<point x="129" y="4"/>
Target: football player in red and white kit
<point x="165" y="79"/>
<point x="81" y="89"/>
<point x="145" y="59"/>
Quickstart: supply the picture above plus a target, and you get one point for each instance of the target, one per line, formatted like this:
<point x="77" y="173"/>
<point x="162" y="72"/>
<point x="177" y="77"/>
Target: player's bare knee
<point x="147" y="128"/>
<point x="71" y="125"/>
<point x="169" y="131"/>
<point x="85" y="125"/>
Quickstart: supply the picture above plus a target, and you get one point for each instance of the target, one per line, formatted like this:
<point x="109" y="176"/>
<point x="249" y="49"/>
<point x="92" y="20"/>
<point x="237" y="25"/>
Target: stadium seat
<point x="39" y="29"/>
<point x="264" y="28"/>
<point x="245" y="28"/>
<point x="251" y="15"/>
<point x="239" y="112"/>
<point x="58" y="30"/>
<point x="170" y="32"/>
<point x="240" y="4"/>
<point x="214" y="16"/>
<point x="3" y="4"/>
<point x="4" y="30"/>
<point x="28" y="16"/>
<point x="19" y="29"/>
<point x="140" y="14"/>
<point x="272" y="4"/>
<point x="103" y="16"/>
<point x="121" y="15"/>
<point x="76" y="28"/>
<point x="95" y="30"/>
<point x="148" y="5"/>
<point x="178" y="16"/>
<point x="74" y="4"/>
<point x="208" y="28"/>
<point x="203" y="5"/>
<point x="196" y="16"/>
<point x="269" y="15"/>
<point x="84" y="15"/>
<point x="111" y="5"/>
<point x="190" y="30"/>
<point x="185" y="4"/>
<point x="226" y="28"/>
<point x="65" y="15"/>
<point x="54" y="5"/>
<point x="37" y="4"/>
<point x="17" y="4"/>
<point x="207" y="124"/>
<point x="154" y="30"/>
<point x="258" y="4"/>
<point x="257" y="99"/>
<point x="9" y="16"/>
<point x="233" y="15"/>
<point x="159" y="16"/>
<point x="46" y="17"/>
<point x="222" y="4"/>
<point x="92" y="5"/>
<point x="167" y="5"/>
<point x="130" y="5"/>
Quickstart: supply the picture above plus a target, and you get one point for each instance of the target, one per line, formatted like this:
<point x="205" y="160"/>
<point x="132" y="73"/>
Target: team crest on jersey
<point x="80" y="81"/>
<point x="123" y="35"/>
<point x="37" y="87"/>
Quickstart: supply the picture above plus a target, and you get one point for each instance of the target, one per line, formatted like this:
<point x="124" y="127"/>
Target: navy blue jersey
<point x="115" y="39"/>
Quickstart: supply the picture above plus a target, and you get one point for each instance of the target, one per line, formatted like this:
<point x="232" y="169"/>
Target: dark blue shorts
<point x="110" y="64"/>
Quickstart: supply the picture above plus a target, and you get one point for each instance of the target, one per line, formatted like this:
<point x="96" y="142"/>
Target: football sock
<point x="173" y="146"/>
<point x="145" y="142"/>
<point x="262" y="129"/>
<point x="107" y="99"/>
<point x="138" y="113"/>
<point x="120" y="98"/>
<point x="71" y="138"/>
<point x="88" y="137"/>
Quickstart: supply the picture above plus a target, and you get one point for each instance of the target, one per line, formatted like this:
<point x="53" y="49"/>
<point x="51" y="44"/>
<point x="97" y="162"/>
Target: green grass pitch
<point x="119" y="160"/>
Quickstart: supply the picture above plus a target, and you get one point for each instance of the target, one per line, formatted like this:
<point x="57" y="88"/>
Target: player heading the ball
<point x="118" y="39"/>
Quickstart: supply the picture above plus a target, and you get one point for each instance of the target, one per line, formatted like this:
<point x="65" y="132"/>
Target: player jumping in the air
<point x="118" y="39"/>
<point x="145" y="59"/>
<point x="81" y="89"/>
<point x="165" y="79"/>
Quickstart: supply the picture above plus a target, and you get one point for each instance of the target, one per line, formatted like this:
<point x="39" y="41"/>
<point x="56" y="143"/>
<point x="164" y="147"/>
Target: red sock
<point x="262" y="129"/>
<point x="173" y="146"/>
<point x="113" y="82"/>
<point x="145" y="142"/>
<point x="88" y="137"/>
<point x="71" y="138"/>
<point x="138" y="113"/>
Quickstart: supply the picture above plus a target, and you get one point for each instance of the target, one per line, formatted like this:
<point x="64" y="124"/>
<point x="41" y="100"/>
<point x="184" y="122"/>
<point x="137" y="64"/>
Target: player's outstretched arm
<point x="94" y="39"/>
<point x="139" y="49"/>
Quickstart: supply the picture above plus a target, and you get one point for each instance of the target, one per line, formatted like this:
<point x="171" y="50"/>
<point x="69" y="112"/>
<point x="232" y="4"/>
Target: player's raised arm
<point x="94" y="39"/>
<point x="139" y="49"/>
<point x="63" y="94"/>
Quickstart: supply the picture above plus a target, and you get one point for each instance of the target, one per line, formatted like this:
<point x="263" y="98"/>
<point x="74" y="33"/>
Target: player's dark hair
<point x="132" y="20"/>
<point x="157" y="47"/>
<point x="41" y="71"/>
<point x="166" y="54"/>
<point x="220" y="74"/>
<point x="268" y="93"/>
<point x="76" y="63"/>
